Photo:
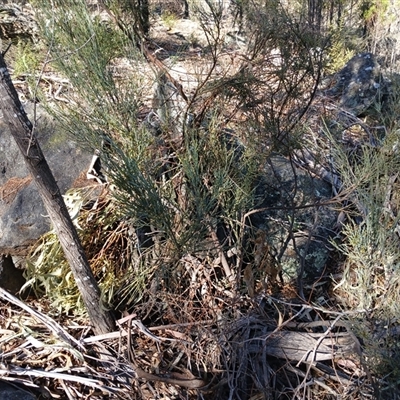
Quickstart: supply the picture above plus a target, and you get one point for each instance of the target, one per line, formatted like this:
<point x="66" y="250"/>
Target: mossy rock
<point x="298" y="228"/>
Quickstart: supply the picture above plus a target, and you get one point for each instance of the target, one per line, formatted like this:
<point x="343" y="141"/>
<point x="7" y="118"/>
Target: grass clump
<point x="371" y="236"/>
<point x="169" y="19"/>
<point x="370" y="243"/>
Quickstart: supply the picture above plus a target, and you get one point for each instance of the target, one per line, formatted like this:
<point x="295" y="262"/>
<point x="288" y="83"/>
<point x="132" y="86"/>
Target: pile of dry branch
<point x="261" y="354"/>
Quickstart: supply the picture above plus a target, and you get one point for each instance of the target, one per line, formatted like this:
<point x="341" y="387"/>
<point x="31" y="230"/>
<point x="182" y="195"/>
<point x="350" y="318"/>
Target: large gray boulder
<point x="359" y="84"/>
<point x="298" y="228"/>
<point x="22" y="214"/>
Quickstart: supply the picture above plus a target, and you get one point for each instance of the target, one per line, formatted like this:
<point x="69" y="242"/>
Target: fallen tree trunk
<point x="23" y="132"/>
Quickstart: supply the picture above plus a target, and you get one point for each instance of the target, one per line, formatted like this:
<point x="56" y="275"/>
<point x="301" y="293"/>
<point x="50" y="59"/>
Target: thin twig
<point x="45" y="319"/>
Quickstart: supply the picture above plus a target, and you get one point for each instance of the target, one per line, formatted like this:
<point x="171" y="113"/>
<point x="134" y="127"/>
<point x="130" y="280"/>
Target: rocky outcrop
<point x="359" y="84"/>
<point x="22" y="214"/>
<point x="17" y="21"/>
<point x="297" y="227"/>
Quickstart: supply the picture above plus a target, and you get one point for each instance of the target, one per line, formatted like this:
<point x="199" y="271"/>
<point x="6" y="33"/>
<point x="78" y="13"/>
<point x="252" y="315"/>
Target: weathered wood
<point x="309" y="347"/>
<point x="23" y="132"/>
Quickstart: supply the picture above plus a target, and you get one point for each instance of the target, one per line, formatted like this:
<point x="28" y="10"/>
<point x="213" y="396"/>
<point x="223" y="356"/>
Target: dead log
<point x="309" y="347"/>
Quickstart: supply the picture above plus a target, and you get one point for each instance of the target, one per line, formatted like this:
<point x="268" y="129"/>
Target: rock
<point x="11" y="278"/>
<point x="297" y="234"/>
<point x="22" y="214"/>
<point x="359" y="84"/>
<point x="11" y="392"/>
<point x="17" y="21"/>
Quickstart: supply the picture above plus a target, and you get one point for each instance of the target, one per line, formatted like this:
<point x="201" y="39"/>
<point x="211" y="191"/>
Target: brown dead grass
<point x="10" y="189"/>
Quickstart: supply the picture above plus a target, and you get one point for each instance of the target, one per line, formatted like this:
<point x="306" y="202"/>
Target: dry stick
<point x="138" y="325"/>
<point x="37" y="373"/>
<point x="52" y="325"/>
<point x="187" y="383"/>
<point x="22" y="130"/>
<point x="190" y="383"/>
<point x="223" y="260"/>
<point x="315" y="381"/>
<point x="61" y="333"/>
